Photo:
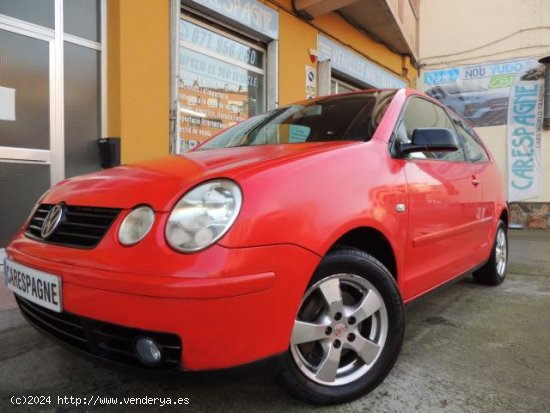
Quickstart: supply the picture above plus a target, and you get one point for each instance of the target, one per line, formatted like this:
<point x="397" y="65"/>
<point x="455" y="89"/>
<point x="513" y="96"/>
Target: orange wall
<point x="139" y="76"/>
<point x="113" y="68"/>
<point x="138" y="73"/>
<point x="296" y="37"/>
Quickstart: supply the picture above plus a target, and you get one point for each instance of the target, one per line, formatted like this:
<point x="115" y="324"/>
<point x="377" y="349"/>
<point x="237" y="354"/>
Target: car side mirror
<point x="430" y="140"/>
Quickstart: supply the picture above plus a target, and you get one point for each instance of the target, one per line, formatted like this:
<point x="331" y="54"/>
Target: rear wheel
<point x="348" y="331"/>
<point x="494" y="271"/>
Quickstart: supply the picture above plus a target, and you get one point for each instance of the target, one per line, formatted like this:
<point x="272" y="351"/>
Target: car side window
<point x="475" y="152"/>
<point x="421" y="113"/>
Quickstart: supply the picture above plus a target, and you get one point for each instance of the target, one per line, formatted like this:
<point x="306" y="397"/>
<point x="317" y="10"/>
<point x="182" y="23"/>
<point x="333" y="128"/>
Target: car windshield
<point x="334" y="118"/>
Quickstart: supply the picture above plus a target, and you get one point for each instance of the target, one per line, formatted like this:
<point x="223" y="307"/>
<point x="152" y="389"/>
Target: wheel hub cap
<point x="340" y="329"/>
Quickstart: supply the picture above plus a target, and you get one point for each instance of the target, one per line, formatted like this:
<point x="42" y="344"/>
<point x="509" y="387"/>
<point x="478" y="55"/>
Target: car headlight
<point x="203" y="215"/>
<point x="136" y="225"/>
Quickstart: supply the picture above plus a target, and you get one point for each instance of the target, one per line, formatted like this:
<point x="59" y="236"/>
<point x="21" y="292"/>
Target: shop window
<point x="339" y="86"/>
<point x="221" y="81"/>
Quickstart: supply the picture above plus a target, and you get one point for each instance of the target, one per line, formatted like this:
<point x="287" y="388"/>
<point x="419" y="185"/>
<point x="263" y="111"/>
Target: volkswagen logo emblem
<point x="52" y="221"/>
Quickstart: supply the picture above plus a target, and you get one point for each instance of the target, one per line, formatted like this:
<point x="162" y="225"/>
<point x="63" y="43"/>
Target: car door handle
<point x="475" y="181"/>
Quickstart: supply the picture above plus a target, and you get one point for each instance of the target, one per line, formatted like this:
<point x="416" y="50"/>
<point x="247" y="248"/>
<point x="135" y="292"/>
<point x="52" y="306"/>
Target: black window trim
<point x="455" y="118"/>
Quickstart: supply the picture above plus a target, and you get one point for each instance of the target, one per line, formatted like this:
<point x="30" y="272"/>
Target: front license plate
<point x="37" y="286"/>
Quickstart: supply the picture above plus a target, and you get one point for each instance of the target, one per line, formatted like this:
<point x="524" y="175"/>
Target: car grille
<point x="83" y="227"/>
<point x="104" y="340"/>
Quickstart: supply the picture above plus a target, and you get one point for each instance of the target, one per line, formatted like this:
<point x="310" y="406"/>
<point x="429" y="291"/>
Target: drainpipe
<point x="546" y="62"/>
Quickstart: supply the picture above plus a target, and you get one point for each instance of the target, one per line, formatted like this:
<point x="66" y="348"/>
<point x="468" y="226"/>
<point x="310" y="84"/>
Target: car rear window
<point x="352" y="117"/>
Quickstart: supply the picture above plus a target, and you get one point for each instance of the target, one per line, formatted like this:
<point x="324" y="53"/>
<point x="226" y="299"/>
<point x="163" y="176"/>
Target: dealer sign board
<point x="355" y="65"/>
<point x="524" y="140"/>
<point x="250" y="13"/>
<point x="500" y="93"/>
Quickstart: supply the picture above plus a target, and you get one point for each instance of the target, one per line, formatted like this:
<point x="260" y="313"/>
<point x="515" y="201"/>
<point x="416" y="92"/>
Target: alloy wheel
<point x="340" y="330"/>
<point x="501" y="252"/>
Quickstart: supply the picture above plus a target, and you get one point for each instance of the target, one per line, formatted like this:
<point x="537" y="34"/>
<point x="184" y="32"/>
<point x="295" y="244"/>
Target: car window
<point x="421" y="113"/>
<point x="475" y="152"/>
<point x="352" y="117"/>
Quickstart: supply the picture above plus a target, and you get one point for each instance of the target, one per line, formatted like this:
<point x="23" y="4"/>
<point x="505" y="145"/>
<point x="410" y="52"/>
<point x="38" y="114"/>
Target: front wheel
<point x="494" y="271"/>
<point x="348" y="330"/>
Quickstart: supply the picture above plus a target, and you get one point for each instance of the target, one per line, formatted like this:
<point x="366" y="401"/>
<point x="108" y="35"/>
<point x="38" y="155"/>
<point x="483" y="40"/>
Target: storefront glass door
<point x="51" y="107"/>
<point x="25" y="124"/>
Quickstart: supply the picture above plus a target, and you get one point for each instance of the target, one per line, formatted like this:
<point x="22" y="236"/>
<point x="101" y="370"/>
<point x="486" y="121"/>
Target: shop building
<point x="165" y="75"/>
<point x="235" y="59"/>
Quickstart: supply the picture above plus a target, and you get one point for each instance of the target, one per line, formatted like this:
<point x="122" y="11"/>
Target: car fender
<point x="289" y="204"/>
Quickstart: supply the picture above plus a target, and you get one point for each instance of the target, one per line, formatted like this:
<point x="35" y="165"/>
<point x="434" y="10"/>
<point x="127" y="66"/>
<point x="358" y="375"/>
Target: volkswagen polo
<point x="295" y="236"/>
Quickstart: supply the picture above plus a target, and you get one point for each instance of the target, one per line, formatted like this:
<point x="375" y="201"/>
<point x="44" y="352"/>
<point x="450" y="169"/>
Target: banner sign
<point x="524" y="139"/>
<point x="249" y="13"/>
<point x="203" y="40"/>
<point x="501" y="93"/>
<point x="355" y="65"/>
<point x="480" y="93"/>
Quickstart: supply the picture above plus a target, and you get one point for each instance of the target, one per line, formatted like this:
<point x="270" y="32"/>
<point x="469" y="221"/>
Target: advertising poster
<point x="221" y="82"/>
<point x="500" y="93"/>
<point x="525" y="139"/>
<point x="480" y="93"/>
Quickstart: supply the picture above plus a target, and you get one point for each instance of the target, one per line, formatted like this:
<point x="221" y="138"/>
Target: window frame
<point x="191" y="16"/>
<point x="339" y="82"/>
<point x="457" y="120"/>
<point x="273" y="114"/>
<point x="400" y="119"/>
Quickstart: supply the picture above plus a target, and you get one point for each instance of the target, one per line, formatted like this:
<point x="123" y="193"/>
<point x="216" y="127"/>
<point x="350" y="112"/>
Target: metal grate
<point x="104" y="340"/>
<point x="81" y="227"/>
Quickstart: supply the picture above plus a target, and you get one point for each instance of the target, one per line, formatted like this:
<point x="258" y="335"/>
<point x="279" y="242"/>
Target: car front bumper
<point x="222" y="321"/>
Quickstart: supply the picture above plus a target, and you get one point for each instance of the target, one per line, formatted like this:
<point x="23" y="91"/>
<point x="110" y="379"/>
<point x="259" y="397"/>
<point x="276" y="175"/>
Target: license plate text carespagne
<point x="38" y="288"/>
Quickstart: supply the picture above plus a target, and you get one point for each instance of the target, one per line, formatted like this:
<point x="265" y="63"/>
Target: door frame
<point x="55" y="156"/>
<point x="29" y="155"/>
<point x="55" y="38"/>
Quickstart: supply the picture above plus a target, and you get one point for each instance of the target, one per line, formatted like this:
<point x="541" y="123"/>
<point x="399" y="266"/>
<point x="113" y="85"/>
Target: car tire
<point x="343" y="350"/>
<point x="494" y="271"/>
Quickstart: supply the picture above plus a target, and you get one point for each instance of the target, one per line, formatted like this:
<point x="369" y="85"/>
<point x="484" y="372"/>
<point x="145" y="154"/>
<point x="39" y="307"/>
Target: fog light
<point x="148" y="351"/>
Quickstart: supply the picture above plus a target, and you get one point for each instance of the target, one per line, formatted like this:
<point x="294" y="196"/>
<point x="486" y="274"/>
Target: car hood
<point x="161" y="182"/>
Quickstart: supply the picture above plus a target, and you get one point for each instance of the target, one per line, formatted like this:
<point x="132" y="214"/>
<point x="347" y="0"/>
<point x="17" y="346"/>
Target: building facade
<point x="481" y="59"/>
<point x="51" y="107"/>
<point x="164" y="75"/>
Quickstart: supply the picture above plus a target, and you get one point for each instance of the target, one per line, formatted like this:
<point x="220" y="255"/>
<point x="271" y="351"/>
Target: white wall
<point x="496" y="29"/>
<point x="456" y="33"/>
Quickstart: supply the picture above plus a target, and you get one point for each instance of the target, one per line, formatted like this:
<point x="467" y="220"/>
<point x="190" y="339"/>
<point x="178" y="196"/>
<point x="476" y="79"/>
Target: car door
<point x="486" y="183"/>
<point x="441" y="204"/>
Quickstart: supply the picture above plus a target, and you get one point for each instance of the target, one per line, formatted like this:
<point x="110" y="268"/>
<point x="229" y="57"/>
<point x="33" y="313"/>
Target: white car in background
<point x="479" y="105"/>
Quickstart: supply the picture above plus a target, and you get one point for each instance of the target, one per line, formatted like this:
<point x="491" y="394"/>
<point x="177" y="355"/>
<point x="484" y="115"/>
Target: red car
<point x="295" y="236"/>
